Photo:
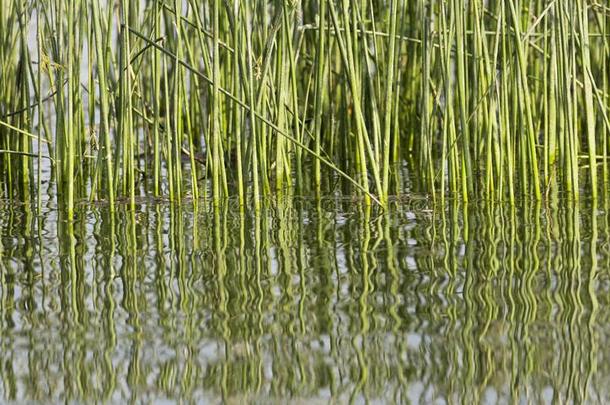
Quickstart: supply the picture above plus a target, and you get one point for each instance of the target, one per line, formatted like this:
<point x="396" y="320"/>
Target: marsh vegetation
<point x="501" y="100"/>
<point x="307" y="200"/>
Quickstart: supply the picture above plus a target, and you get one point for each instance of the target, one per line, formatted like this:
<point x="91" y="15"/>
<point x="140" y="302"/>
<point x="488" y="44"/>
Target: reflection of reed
<point x="458" y="303"/>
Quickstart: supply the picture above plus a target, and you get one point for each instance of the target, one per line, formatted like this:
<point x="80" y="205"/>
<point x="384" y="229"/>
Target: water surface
<point x="309" y="302"/>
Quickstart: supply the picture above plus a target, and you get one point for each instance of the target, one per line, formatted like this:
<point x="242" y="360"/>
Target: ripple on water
<point x="305" y="301"/>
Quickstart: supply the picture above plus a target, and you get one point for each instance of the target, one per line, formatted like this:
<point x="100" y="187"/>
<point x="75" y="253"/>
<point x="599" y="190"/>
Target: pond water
<point x="308" y="302"/>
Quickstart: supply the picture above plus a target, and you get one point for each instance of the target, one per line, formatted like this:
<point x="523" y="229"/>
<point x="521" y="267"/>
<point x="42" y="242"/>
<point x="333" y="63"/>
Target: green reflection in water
<point x="308" y="300"/>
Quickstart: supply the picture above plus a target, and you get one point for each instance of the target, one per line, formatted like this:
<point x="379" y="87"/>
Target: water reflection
<point x="307" y="300"/>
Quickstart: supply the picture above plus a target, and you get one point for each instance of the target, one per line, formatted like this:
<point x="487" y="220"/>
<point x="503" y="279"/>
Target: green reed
<point x="499" y="99"/>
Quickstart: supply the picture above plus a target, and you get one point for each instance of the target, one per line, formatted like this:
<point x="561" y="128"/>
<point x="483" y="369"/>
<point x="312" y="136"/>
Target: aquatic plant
<point x="498" y="99"/>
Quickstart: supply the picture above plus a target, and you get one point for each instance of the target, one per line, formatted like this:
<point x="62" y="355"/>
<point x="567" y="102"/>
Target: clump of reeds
<point x="496" y="99"/>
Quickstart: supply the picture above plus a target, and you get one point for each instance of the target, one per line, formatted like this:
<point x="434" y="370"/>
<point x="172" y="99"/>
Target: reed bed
<point x="496" y="99"/>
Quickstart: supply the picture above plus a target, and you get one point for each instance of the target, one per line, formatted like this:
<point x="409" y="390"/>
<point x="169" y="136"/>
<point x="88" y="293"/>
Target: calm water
<point x="308" y="302"/>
